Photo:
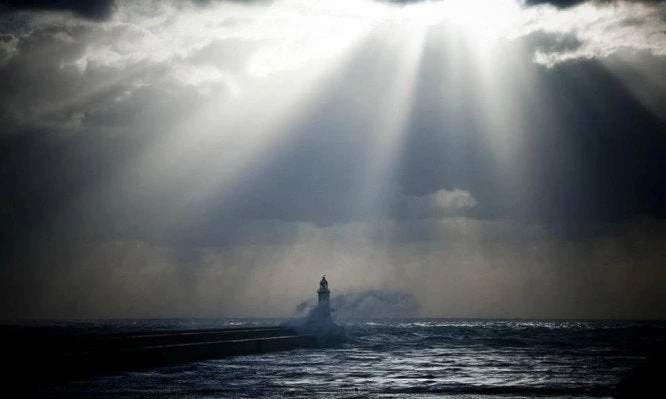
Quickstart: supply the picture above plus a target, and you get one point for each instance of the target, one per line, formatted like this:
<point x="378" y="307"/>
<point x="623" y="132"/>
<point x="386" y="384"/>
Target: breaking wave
<point x="368" y="304"/>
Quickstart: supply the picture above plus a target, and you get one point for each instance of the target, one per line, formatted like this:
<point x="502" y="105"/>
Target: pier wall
<point x="58" y="357"/>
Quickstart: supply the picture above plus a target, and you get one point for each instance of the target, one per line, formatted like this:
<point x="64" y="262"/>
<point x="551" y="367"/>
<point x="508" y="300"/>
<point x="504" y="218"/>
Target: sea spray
<point x="319" y="324"/>
<point x="312" y="319"/>
<point x="368" y="304"/>
<point x="318" y="321"/>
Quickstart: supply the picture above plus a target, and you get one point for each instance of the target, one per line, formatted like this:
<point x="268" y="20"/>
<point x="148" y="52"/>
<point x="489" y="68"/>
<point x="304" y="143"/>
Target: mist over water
<point x="312" y="319"/>
<point x="367" y="304"/>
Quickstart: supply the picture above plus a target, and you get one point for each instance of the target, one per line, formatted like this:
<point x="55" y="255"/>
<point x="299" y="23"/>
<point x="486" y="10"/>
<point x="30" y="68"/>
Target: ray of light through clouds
<point x="213" y="158"/>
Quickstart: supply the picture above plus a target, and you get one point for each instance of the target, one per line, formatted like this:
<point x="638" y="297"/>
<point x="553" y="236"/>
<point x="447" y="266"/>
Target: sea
<point x="392" y="358"/>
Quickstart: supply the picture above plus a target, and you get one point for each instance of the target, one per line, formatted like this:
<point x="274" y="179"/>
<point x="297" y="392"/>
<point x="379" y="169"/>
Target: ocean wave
<point x="411" y="358"/>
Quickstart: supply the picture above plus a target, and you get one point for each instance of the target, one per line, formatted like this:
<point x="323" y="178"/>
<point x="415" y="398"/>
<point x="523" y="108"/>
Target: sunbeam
<point x="640" y="74"/>
<point x="440" y="147"/>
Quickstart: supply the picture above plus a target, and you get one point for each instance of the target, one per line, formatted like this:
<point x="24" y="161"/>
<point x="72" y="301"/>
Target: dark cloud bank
<point x="96" y="10"/>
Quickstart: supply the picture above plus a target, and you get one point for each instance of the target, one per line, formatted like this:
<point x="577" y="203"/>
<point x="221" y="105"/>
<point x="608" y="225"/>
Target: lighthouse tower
<point x="323" y="298"/>
<point x="319" y="323"/>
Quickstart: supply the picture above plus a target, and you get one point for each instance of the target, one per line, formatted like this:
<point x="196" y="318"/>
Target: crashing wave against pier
<point x="319" y="322"/>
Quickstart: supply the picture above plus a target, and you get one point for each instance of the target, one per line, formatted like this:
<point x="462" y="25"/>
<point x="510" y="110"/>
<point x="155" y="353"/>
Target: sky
<point x="213" y="158"/>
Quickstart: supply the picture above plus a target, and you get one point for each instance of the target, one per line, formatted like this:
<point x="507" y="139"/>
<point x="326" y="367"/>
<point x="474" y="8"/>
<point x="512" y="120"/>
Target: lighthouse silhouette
<point x="323" y="295"/>
<point x="319" y="322"/>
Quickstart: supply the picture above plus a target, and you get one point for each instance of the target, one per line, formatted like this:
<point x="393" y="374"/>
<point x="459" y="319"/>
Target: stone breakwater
<point x="59" y="357"/>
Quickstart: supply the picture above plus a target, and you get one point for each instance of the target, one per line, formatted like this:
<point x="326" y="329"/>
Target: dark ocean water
<point x="396" y="359"/>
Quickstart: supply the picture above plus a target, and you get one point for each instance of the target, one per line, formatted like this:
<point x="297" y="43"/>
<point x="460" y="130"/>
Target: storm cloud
<point x="215" y="158"/>
<point x="96" y="10"/>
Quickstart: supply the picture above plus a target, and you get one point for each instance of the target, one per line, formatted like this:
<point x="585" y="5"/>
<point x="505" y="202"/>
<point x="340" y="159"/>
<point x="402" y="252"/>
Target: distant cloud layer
<point x="465" y="268"/>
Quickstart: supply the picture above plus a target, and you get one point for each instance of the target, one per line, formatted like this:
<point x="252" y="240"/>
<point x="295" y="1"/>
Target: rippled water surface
<point x="413" y="358"/>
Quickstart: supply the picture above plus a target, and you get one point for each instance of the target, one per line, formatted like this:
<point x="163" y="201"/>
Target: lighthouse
<point x="319" y="322"/>
<point x="323" y="294"/>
